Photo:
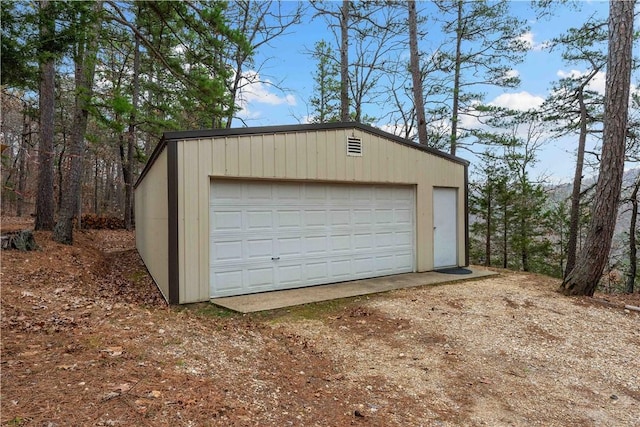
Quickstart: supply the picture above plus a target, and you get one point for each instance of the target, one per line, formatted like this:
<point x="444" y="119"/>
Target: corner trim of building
<point x="466" y="215"/>
<point x="172" y="194"/>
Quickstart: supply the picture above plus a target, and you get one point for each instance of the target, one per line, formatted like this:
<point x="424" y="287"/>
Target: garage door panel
<point x="403" y="239"/>
<point x="385" y="263"/>
<point x="316" y="244"/>
<point x="258" y="192"/>
<point x="363" y="265"/>
<point x="226" y="251"/>
<point x="384" y="240"/>
<point x="363" y="241"/>
<point x="225" y="193"/>
<point x="290" y="246"/>
<point x="288" y="193"/>
<point x="384" y="194"/>
<point x="364" y="195"/>
<point x="383" y="216"/>
<point x="340" y="217"/>
<point x="229" y="282"/>
<point x="315" y="218"/>
<point x="268" y="236"/>
<point x="317" y="270"/>
<point x="316" y="193"/>
<point x="404" y="261"/>
<point x="339" y="194"/>
<point x="289" y="219"/>
<point x="340" y="268"/>
<point x="403" y="216"/>
<point x="341" y="243"/>
<point x="227" y="220"/>
<point x="259" y="248"/>
<point x="290" y="275"/>
<point x="260" y="277"/>
<point x="362" y="216"/>
<point x="259" y="220"/>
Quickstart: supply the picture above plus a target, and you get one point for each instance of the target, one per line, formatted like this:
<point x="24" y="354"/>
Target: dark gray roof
<point x="261" y="130"/>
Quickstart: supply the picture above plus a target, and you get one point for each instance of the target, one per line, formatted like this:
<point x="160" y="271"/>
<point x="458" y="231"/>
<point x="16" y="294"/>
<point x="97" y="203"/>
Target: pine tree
<point x="325" y="103"/>
<point x="584" y="278"/>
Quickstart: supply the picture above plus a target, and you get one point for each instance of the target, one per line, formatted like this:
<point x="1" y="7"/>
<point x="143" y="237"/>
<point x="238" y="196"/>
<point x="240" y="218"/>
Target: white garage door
<point x="271" y="235"/>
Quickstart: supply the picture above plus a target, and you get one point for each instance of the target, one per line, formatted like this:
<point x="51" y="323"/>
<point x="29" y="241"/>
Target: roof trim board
<point x="261" y="130"/>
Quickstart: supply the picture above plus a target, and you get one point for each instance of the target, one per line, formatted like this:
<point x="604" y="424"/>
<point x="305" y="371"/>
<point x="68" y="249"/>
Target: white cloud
<point x="257" y="90"/>
<point x="511" y="74"/>
<point x="596" y="84"/>
<point x="528" y="39"/>
<point x="518" y="101"/>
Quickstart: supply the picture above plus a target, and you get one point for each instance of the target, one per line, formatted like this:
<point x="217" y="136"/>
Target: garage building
<point x="237" y="211"/>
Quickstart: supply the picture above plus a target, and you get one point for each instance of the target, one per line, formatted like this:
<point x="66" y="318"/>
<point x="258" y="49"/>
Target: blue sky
<point x="288" y="63"/>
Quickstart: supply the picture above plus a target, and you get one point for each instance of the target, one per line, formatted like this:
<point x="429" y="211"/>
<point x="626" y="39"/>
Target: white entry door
<point x="445" y="230"/>
<point x="278" y="235"/>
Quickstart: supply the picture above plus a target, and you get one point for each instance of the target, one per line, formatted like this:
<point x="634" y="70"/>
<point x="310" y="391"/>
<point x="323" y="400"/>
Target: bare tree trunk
<point x="416" y="74"/>
<point x="44" y="199"/>
<point x="95" y="185"/>
<point x="586" y="274"/>
<point x="524" y="251"/>
<point x="487" y="243"/>
<point x="22" y="162"/>
<point x="633" y="248"/>
<point x="61" y="157"/>
<point x="574" y="219"/>
<point x="127" y="163"/>
<point x="456" y="82"/>
<point x="344" y="61"/>
<point x="505" y="224"/>
<point x="85" y="64"/>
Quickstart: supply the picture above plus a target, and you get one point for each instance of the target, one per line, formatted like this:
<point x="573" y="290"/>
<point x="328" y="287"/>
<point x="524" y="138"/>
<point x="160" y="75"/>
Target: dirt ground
<point x="88" y="340"/>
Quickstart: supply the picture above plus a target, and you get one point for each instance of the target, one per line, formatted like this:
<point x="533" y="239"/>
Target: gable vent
<point x="354" y="146"/>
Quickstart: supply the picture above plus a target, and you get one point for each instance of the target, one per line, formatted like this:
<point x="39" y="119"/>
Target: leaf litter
<point x="88" y="340"/>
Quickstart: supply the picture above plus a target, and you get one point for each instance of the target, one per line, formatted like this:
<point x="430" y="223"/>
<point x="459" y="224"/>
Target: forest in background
<point x="89" y="87"/>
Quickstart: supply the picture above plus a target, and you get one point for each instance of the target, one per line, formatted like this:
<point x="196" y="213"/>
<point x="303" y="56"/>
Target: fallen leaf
<point x="110" y="395"/>
<point x="123" y="388"/>
<point x="67" y="367"/>
<point x="113" y="351"/>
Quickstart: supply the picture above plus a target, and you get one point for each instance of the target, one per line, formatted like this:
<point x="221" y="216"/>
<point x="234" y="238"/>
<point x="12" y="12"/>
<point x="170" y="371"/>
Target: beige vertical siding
<point x="318" y="156"/>
<point x="152" y="222"/>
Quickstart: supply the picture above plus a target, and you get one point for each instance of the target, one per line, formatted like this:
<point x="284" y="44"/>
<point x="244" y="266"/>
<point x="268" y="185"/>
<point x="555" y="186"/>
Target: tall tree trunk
<point x="95" y="185"/>
<point x="505" y="224"/>
<point x="344" y="61"/>
<point x="586" y="274"/>
<point x="61" y="158"/>
<point x="524" y="251"/>
<point x="574" y="218"/>
<point x="456" y="81"/>
<point x="85" y="64"/>
<point x="633" y="248"/>
<point x="22" y="161"/>
<point x="487" y="242"/>
<point x="44" y="199"/>
<point x="127" y="163"/>
<point x="416" y="74"/>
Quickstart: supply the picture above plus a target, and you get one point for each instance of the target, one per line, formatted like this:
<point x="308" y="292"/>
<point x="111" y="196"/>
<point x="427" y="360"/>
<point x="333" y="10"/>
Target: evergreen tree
<point x="584" y="277"/>
<point x="325" y="102"/>
<point x="484" y="45"/>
